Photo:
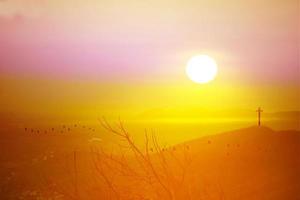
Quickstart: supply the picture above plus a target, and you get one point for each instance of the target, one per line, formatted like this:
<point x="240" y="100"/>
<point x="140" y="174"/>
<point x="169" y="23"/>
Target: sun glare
<point x="201" y="69"/>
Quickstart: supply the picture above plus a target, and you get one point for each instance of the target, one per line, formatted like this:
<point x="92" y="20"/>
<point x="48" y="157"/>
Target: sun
<point x="201" y="69"/>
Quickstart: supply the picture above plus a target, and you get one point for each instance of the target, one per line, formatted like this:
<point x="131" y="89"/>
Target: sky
<point x="128" y="58"/>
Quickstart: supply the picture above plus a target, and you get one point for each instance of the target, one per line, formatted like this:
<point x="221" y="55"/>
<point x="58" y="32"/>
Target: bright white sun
<point x="201" y="69"/>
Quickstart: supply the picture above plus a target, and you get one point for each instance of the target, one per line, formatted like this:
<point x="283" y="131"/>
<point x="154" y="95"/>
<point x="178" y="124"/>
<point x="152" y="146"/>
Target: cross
<point x="259" y="111"/>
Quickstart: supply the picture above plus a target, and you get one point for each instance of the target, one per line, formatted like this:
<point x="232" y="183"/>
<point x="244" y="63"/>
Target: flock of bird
<point x="59" y="129"/>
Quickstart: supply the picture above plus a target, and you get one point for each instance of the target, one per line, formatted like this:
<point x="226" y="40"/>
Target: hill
<point x="254" y="163"/>
<point x="251" y="163"/>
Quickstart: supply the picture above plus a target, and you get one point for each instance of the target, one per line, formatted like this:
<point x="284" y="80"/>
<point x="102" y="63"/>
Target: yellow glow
<point x="201" y="69"/>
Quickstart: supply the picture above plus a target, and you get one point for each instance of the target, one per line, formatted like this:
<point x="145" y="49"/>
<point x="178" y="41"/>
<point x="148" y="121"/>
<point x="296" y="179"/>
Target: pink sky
<point x="133" y="40"/>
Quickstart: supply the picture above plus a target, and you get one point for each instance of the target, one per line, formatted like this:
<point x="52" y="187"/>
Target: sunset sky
<point x="87" y="58"/>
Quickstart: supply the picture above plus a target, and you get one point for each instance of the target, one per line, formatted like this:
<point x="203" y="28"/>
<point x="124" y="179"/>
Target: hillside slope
<point x="252" y="163"/>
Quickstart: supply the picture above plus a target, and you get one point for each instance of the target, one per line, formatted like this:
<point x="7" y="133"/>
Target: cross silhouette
<point x="259" y="111"/>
